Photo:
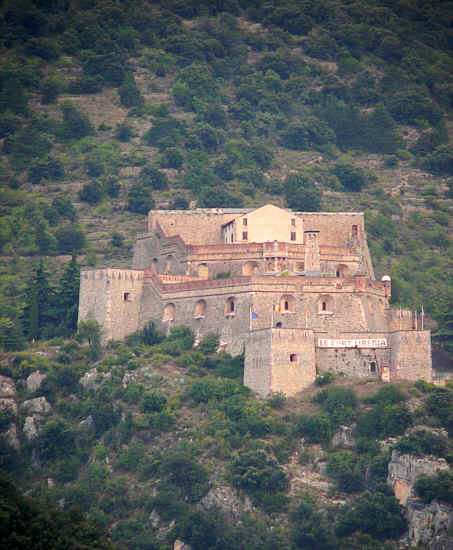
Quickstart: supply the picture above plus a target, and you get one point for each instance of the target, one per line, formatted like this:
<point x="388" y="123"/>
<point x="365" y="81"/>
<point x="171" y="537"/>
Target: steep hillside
<point x="156" y="441"/>
<point x="120" y="107"/>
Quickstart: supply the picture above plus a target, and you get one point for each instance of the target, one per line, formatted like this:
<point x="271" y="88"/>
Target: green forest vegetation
<point x="108" y="109"/>
<point x="161" y="424"/>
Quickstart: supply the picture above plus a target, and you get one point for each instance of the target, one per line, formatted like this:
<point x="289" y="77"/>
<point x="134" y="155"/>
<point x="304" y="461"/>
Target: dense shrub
<point x="339" y="403"/>
<point x="139" y="200"/>
<point x="311" y="132"/>
<point x="49" y="169"/>
<point x="76" y="125"/>
<point x="129" y="93"/>
<point x="387" y="395"/>
<point x="422" y="442"/>
<point x="153" y="178"/>
<point x="70" y="239"/>
<point x="346" y="469"/>
<point x="437" y="487"/>
<point x="384" y="420"/>
<point x="211" y="388"/>
<point x="311" y="530"/>
<point x="180" y="469"/>
<point x="57" y="440"/>
<point x="91" y="193"/>
<point x="352" y="178"/>
<point x="153" y="401"/>
<point x="377" y="514"/>
<point x="258" y="474"/>
<point x="316" y="428"/>
<point x="302" y="193"/>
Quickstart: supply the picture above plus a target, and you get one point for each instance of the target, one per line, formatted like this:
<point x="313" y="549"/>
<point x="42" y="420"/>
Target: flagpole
<point x="423" y="316"/>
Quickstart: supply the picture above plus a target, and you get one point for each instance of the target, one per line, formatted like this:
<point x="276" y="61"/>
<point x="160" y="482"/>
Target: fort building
<point x="295" y="291"/>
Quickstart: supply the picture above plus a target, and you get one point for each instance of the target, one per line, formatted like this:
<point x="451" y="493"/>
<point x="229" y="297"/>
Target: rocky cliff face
<point x="404" y="470"/>
<point x="428" y="524"/>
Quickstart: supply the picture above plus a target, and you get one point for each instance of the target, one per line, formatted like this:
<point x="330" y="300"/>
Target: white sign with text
<point x="352" y="343"/>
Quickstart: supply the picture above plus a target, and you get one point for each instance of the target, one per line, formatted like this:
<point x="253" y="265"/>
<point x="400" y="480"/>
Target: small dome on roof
<point x="386" y="278"/>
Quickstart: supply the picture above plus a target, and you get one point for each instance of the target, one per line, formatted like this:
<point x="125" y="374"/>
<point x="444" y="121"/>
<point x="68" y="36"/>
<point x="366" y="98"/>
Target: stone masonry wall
<point x="112" y="297"/>
<point x="355" y="362"/>
<point x="293" y="360"/>
<point x="231" y="327"/>
<point x="411" y="355"/>
<point x="257" y="365"/>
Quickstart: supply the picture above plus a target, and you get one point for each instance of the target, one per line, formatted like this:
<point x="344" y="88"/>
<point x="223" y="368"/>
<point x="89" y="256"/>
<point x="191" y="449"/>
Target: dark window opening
<point x="338" y="273"/>
<point x="293" y="222"/>
<point x="293" y="358"/>
<point x="293" y="235"/>
<point x="372" y="366"/>
<point x="244" y="221"/>
<point x="355" y="231"/>
<point x="244" y="235"/>
<point x="230" y="306"/>
<point x="324" y="306"/>
<point x="286" y="306"/>
<point x="127" y="296"/>
<point x="278" y="325"/>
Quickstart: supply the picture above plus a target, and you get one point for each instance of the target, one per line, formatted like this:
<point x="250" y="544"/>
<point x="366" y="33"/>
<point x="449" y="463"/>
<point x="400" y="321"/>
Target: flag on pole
<point x="254" y="315"/>
<point x="276" y="308"/>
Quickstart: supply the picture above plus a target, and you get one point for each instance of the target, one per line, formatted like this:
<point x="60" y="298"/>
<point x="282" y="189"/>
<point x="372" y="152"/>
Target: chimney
<point x="312" y="251"/>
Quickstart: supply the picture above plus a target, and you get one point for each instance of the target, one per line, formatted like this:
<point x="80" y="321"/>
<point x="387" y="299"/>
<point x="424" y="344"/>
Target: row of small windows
<point x="286" y="305"/>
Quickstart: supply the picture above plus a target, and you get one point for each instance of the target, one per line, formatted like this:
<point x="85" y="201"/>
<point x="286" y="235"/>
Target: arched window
<point x="169" y="312"/>
<point x="325" y="304"/>
<point x="278" y="324"/>
<point x="203" y="271"/>
<point x="200" y="309"/>
<point x="230" y="307"/>
<point x="250" y="268"/>
<point x="169" y="264"/>
<point x="341" y="270"/>
<point x="287" y="303"/>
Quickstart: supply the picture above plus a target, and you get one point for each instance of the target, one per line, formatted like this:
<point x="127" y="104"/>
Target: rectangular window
<point x="244" y="221"/>
<point x="245" y="235"/>
<point x="127" y="296"/>
<point x="293" y="358"/>
<point x="372" y="366"/>
<point x="293" y="222"/>
<point x="293" y="235"/>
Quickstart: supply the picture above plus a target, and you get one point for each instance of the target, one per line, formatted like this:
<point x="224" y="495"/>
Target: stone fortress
<point x="295" y="290"/>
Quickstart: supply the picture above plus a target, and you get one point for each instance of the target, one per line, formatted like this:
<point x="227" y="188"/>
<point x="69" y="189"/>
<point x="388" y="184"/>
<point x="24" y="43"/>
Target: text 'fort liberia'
<point x="295" y="290"/>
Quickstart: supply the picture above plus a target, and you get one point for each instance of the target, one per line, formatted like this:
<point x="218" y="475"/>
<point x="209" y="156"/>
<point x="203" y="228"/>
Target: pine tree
<point x="38" y="315"/>
<point x="68" y="299"/>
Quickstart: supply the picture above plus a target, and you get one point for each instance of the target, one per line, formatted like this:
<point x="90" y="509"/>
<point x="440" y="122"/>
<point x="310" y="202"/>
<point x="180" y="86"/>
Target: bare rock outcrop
<point x="404" y="470"/>
<point x="7" y="387"/>
<point x="38" y="405"/>
<point x="35" y="380"/>
<point x="30" y="428"/>
<point x="429" y="524"/>
<point x="343" y="437"/>
<point x="8" y="403"/>
<point x="226" y="499"/>
<point x="92" y="379"/>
